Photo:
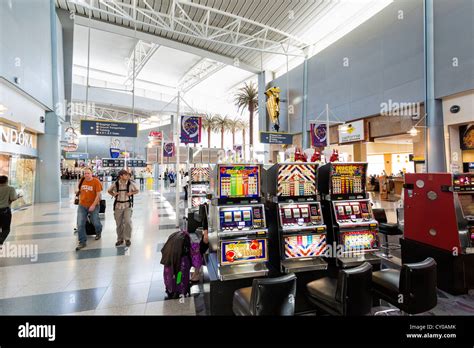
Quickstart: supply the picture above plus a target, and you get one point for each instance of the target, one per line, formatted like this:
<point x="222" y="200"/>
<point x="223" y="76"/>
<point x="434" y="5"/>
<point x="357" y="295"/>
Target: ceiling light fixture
<point x="413" y="131"/>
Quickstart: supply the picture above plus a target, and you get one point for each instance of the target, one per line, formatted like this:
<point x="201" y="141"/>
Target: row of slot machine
<point x="198" y="186"/>
<point x="292" y="217"/>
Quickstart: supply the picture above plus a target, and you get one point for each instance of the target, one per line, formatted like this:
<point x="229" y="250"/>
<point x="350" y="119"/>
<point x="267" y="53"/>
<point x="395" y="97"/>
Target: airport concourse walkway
<point x="42" y="274"/>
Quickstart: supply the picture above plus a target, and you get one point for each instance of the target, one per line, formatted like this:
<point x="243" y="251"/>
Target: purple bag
<point x="178" y="285"/>
<point x="196" y="257"/>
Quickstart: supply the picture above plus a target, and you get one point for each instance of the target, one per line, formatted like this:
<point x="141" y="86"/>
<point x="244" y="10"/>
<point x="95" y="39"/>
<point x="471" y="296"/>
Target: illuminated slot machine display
<point x="447" y="232"/>
<point x="297" y="229"/>
<point x="348" y="214"/>
<point x="198" y="187"/>
<point x="238" y="223"/>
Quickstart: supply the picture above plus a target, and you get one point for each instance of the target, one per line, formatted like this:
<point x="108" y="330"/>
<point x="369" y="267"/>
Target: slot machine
<point x="297" y="229"/>
<point x="439" y="223"/>
<point x="238" y="222"/>
<point x="348" y="214"/>
<point x="197" y="187"/>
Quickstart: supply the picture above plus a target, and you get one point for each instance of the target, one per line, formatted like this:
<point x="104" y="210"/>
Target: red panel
<point x="424" y="215"/>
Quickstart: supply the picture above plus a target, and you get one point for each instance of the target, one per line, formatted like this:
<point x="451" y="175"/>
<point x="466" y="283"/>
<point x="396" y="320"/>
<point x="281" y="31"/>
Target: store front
<point x="458" y="113"/>
<point x="18" y="157"/>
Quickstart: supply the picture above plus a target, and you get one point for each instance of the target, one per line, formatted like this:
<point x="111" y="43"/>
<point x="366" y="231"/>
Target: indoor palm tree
<point x="208" y="124"/>
<point x="222" y="124"/>
<point x="234" y="126"/>
<point x="247" y="97"/>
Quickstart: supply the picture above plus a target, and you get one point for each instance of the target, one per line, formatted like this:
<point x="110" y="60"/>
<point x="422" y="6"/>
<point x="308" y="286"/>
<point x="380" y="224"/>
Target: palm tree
<point x="222" y="124"/>
<point x="208" y="123"/>
<point x="247" y="97"/>
<point x="234" y="126"/>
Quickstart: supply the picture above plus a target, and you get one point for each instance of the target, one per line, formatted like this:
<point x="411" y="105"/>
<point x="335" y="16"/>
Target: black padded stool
<point x="349" y="294"/>
<point x="386" y="229"/>
<point x="267" y="296"/>
<point x="411" y="289"/>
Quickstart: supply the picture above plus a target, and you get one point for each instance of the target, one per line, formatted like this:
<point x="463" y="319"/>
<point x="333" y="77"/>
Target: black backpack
<point x="130" y="198"/>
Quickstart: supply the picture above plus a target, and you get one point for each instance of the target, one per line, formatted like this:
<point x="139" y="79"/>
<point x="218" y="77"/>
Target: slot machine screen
<point x="235" y="252"/>
<point x="305" y="245"/>
<point x="348" y="179"/>
<point x="241" y="217"/>
<point x="296" y="180"/>
<point x="300" y="215"/>
<point x="358" y="240"/>
<point x="352" y="210"/>
<point x="239" y="182"/>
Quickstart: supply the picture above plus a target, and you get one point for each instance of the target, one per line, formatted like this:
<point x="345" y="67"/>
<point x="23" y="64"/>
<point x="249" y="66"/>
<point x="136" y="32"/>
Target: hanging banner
<point x="319" y="135"/>
<point x="168" y="150"/>
<point x="190" y="129"/>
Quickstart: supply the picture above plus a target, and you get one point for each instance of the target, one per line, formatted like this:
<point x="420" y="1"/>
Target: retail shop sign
<point x="276" y="138"/>
<point x="16" y="136"/>
<point x="354" y="131"/>
<point x="109" y="129"/>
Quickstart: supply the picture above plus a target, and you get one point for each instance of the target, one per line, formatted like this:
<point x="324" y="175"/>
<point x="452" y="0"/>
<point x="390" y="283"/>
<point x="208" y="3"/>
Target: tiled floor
<point x="42" y="274"/>
<point x="50" y="277"/>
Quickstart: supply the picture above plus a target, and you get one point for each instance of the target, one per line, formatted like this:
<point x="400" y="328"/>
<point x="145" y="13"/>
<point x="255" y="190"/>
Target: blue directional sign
<point x="109" y="128"/>
<point x="276" y="138"/>
<point x="77" y="155"/>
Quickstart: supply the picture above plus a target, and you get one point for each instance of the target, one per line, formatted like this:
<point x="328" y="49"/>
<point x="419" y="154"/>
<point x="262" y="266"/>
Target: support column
<point x="360" y="152"/>
<point x="305" y="104"/>
<point x="177" y="143"/>
<point x="436" y="156"/>
<point x="262" y="112"/>
<point x="48" y="183"/>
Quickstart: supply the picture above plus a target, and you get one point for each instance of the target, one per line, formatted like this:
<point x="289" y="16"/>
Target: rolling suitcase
<point x="90" y="229"/>
<point x="102" y="206"/>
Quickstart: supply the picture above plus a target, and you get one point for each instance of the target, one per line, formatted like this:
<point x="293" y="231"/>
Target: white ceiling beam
<point x="128" y="32"/>
<point x="198" y="73"/>
<point x="140" y="55"/>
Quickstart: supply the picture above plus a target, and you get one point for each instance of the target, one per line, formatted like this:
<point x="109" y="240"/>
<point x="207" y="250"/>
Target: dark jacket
<point x="177" y="246"/>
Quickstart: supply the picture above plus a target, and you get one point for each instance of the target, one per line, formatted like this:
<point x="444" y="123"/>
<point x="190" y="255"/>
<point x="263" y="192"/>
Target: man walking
<point x="123" y="190"/>
<point x="7" y="196"/>
<point x="89" y="191"/>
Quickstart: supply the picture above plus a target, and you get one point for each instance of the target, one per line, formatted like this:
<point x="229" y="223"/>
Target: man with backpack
<point x="123" y="191"/>
<point x="89" y="194"/>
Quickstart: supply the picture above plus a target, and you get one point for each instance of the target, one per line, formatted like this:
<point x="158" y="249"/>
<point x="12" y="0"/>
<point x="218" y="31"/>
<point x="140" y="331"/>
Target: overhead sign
<point x="276" y="138"/>
<point x="77" y="155"/>
<point x="109" y="128"/>
<point x="353" y="131"/>
<point x="114" y="152"/>
<point x="319" y="135"/>
<point x="113" y="163"/>
<point x="191" y="129"/>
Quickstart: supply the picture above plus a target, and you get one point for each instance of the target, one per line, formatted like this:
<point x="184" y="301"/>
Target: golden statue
<point x="273" y="105"/>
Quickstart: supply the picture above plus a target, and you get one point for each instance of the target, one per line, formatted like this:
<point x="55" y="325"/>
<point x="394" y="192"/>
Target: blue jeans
<point x="82" y="213"/>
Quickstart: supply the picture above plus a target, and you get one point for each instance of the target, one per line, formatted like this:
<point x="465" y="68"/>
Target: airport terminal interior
<point x="237" y="157"/>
